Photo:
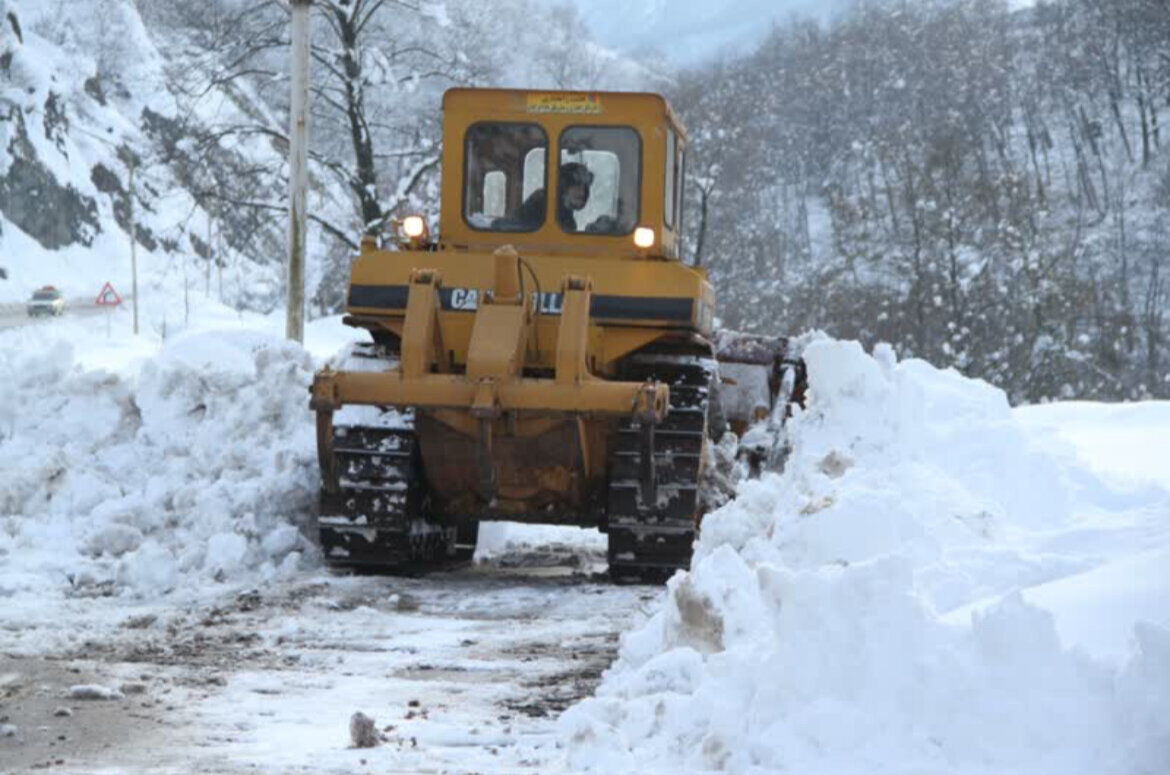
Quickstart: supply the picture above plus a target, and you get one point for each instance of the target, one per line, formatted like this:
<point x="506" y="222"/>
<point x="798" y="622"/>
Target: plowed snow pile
<point x="809" y="636"/>
<point x="192" y="473"/>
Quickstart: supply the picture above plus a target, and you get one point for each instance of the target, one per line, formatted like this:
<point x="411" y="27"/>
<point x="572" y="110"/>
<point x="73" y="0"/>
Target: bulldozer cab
<point x="581" y="173"/>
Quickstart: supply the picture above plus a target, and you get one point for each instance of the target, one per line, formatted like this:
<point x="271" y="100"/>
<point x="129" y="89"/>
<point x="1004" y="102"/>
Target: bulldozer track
<point x="375" y="517"/>
<point x="653" y="514"/>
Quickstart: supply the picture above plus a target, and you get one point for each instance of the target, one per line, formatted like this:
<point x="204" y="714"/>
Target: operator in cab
<point x="576" y="180"/>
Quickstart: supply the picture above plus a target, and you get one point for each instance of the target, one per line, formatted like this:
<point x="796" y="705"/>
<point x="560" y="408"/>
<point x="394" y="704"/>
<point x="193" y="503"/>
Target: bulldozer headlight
<point x="644" y="237"/>
<point x="414" y="227"/>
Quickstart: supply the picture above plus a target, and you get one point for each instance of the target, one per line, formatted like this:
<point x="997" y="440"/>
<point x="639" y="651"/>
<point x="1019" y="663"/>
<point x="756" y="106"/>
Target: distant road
<point x="15" y="314"/>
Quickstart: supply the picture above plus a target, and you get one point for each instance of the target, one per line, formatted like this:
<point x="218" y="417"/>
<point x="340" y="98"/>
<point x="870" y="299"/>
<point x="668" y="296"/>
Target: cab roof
<point x="616" y="107"/>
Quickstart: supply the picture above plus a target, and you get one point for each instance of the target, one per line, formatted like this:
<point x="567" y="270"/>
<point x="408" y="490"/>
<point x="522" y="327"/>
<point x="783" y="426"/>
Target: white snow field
<point x="937" y="583"/>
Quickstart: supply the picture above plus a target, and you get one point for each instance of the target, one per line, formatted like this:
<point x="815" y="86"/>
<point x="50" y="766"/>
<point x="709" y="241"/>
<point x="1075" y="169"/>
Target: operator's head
<point x="575" y="182"/>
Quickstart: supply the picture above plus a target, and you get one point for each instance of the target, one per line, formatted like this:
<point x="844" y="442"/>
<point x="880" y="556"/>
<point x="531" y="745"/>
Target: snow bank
<point x="808" y="636"/>
<point x="199" y="470"/>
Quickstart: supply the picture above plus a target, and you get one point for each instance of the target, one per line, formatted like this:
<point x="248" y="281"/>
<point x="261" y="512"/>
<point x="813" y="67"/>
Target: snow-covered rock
<point x="94" y="692"/>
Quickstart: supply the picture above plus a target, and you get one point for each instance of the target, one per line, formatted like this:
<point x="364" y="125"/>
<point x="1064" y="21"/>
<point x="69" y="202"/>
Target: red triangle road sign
<point x="108" y="297"/>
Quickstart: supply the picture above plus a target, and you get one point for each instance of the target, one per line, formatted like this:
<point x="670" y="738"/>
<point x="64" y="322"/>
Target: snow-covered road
<point x="464" y="671"/>
<point x="14" y="315"/>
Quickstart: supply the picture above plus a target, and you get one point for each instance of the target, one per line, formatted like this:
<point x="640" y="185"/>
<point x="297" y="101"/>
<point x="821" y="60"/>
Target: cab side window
<point x="673" y="190"/>
<point x="668" y="204"/>
<point x="680" y="178"/>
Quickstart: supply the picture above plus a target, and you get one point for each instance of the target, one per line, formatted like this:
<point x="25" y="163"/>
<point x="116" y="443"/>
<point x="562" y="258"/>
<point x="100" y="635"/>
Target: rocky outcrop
<point x="53" y="214"/>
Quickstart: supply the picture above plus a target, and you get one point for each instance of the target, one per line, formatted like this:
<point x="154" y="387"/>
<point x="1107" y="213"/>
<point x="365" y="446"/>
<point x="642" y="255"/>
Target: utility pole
<point x="298" y="177"/>
<point x="220" y="258"/>
<point x="133" y="244"/>
<point x="210" y="258"/>
<point x="186" y="295"/>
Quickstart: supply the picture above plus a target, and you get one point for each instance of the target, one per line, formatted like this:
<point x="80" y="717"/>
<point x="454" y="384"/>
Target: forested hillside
<point x="981" y="185"/>
<point x="983" y="188"/>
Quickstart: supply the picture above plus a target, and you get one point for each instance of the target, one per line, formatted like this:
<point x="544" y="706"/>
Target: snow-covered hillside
<point x="85" y="96"/>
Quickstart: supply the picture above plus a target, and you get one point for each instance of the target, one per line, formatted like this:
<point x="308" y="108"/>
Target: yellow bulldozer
<point x="545" y="356"/>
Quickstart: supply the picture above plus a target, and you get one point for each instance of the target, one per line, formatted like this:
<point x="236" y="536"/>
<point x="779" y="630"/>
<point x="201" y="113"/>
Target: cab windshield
<point x="505" y="176"/>
<point x="598" y="186"/>
<point x="506" y="181"/>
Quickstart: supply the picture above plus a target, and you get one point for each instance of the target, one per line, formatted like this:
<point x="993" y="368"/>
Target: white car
<point x="46" y="301"/>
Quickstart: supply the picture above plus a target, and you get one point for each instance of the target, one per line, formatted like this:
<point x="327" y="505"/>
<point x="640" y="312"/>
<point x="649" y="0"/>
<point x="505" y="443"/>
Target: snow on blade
<point x="808" y="636"/>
